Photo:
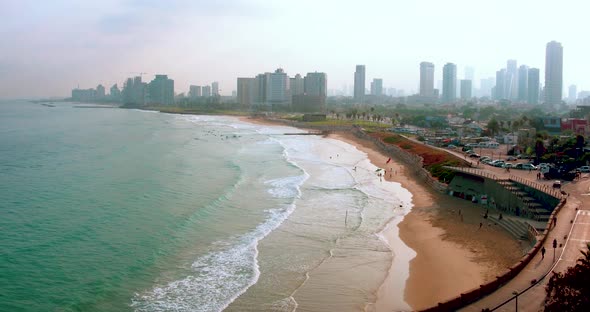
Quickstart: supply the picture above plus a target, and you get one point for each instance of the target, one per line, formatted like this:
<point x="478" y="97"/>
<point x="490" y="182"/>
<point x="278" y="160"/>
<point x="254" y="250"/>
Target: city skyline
<point x="106" y="42"/>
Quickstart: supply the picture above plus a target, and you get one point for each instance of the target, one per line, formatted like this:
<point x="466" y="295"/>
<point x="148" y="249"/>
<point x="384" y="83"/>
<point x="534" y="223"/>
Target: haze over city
<point x="48" y="50"/>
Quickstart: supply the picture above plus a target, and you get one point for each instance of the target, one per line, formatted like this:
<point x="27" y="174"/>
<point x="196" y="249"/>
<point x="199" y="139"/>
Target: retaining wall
<point x="483" y="290"/>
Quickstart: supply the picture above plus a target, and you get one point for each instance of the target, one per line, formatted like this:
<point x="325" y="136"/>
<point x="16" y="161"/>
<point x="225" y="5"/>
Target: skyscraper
<point x="426" y="79"/>
<point x="553" y="73"/>
<point x="245" y="90"/>
<point x="533" y="86"/>
<point x="161" y="90"/>
<point x="194" y="92"/>
<point x="359" y="82"/>
<point x="511" y="82"/>
<point x="377" y="87"/>
<point x="500" y="89"/>
<point x="206" y="91"/>
<point x="466" y="89"/>
<point x="523" y="81"/>
<point x="215" y="88"/>
<point x="572" y="94"/>
<point x="277" y="88"/>
<point x="449" y="83"/>
<point x="297" y="87"/>
<point x="316" y="84"/>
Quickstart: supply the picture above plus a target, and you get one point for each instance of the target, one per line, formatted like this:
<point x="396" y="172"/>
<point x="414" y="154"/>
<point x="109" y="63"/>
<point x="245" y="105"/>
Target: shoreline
<point x="451" y="255"/>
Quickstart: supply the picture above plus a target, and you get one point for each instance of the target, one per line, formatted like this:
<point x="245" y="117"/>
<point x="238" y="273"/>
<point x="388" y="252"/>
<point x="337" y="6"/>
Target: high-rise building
<point x="426" y="79"/>
<point x="533" y="86"/>
<point x="115" y="93"/>
<point x="553" y="73"/>
<point x="161" y="90"/>
<point x="316" y="84"/>
<point x="572" y="94"/>
<point x="100" y="92"/>
<point x="377" y="87"/>
<point x="466" y="89"/>
<point x="134" y="92"/>
<point x="511" y="82"/>
<point x="215" y="88"/>
<point x="277" y="88"/>
<point x="194" y="92"/>
<point x="486" y="86"/>
<point x="500" y="87"/>
<point x="523" y="82"/>
<point x="297" y="87"/>
<point x="245" y="92"/>
<point x="206" y="91"/>
<point x="359" y="82"/>
<point x="449" y="83"/>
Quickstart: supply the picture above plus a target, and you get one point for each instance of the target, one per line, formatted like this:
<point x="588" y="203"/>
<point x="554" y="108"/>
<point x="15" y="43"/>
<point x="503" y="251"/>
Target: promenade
<point x="572" y="232"/>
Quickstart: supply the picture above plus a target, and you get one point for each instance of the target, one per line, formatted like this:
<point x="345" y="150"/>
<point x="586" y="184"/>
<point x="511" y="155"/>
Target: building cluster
<point x="376" y="92"/>
<point x="277" y="91"/>
<point x="159" y="91"/>
<point x="517" y="84"/>
<point x="97" y="95"/>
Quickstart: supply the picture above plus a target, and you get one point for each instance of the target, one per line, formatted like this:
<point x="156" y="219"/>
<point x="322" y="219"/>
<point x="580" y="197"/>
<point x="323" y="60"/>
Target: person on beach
<point x="554" y="221"/>
<point x="543" y="253"/>
<point x="500" y="217"/>
<point x="480" y="224"/>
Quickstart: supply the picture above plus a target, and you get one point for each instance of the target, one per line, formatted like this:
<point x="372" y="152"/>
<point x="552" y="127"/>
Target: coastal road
<point x="572" y="232"/>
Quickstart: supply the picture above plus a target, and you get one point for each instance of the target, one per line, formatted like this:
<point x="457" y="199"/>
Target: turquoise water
<point x="106" y="209"/>
<point x="97" y="204"/>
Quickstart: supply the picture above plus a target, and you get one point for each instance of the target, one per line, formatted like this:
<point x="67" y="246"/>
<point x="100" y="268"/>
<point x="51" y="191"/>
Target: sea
<point x="108" y="209"/>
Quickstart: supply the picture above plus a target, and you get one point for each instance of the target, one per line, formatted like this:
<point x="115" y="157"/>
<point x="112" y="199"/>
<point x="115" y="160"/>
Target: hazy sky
<point x="49" y="47"/>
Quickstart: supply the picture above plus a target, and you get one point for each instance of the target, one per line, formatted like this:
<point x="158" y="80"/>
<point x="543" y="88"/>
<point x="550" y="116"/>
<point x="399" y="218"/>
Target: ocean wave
<point x="223" y="275"/>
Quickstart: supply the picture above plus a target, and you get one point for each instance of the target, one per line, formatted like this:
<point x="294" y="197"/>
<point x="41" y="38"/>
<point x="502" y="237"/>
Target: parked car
<point x="529" y="167"/>
<point x="484" y="158"/>
<point x="525" y="166"/>
<point x="474" y="155"/>
<point x="451" y="146"/>
<point x="557" y="184"/>
<point x="508" y="165"/>
<point x="510" y="158"/>
<point x="498" y="163"/>
<point x="584" y="169"/>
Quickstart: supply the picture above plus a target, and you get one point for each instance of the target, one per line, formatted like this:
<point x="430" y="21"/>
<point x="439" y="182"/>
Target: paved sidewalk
<point x="571" y="239"/>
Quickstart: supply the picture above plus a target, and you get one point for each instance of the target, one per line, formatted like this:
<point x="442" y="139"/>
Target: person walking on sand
<point x="543" y="253"/>
<point x="554" y="222"/>
<point x="480" y="224"/>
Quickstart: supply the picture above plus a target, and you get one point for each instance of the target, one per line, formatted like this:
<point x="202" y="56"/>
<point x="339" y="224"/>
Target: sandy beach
<point x="452" y="254"/>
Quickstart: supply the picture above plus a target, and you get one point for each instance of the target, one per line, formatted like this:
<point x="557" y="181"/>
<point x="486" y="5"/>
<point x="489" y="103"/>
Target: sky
<point x="49" y="47"/>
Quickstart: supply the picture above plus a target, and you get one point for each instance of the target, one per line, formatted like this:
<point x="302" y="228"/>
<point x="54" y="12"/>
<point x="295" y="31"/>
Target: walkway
<point x="572" y="232"/>
<point x="571" y="239"/>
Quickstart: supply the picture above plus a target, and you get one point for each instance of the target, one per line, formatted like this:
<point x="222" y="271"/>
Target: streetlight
<point x="516" y="294"/>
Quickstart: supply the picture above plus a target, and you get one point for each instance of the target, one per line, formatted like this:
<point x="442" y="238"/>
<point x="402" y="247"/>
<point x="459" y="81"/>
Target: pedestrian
<point x="480" y="225"/>
<point x="543" y="253"/>
<point x="554" y="221"/>
<point x="500" y="217"/>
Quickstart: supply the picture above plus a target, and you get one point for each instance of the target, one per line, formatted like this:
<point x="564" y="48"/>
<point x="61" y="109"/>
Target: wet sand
<point x="452" y="254"/>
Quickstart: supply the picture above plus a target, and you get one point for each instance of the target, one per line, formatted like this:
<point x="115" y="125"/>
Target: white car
<point x="584" y="169"/>
<point x="529" y="167"/>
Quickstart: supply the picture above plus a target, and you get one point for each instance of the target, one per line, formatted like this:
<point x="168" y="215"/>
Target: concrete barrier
<point x="491" y="286"/>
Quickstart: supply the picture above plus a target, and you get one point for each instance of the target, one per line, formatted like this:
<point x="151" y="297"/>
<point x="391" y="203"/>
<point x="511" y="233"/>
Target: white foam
<point x="222" y="276"/>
